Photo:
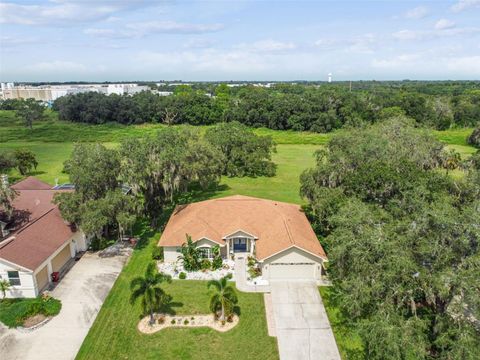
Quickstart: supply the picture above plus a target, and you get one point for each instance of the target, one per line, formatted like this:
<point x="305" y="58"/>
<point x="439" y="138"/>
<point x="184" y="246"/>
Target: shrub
<point x="254" y="272"/>
<point x="157" y="253"/>
<point x="206" y="264"/>
<point x="185" y="322"/>
<point x="51" y="307"/>
<point x="182" y="276"/>
<point x="172" y="322"/>
<point x="13" y="312"/>
<point x="229" y="276"/>
<point x="217" y="258"/>
<point x="161" y="320"/>
<point x="251" y="261"/>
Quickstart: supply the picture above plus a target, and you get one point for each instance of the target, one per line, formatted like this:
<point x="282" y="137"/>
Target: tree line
<point x="317" y="108"/>
<point x="403" y="240"/>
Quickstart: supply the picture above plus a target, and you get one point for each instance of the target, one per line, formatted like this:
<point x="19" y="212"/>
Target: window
<point x="205" y="252"/>
<point x="13" y="278"/>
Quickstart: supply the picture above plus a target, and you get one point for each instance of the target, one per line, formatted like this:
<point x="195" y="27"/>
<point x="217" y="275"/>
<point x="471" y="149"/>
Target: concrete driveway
<point x="302" y="326"/>
<point x="82" y="292"/>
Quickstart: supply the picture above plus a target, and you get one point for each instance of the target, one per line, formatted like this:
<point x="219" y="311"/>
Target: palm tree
<point x="153" y="297"/>
<point x="224" y="299"/>
<point x="4" y="286"/>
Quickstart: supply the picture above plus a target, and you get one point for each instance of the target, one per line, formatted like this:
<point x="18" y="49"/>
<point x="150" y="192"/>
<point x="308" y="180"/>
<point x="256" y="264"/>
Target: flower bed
<point x="175" y="269"/>
<point x="165" y="321"/>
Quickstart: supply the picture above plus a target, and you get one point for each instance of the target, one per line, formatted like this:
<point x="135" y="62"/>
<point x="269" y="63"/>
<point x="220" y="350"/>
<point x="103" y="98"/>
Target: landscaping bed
<point x="28" y="312"/>
<point x="176" y="269"/>
<point x="163" y="321"/>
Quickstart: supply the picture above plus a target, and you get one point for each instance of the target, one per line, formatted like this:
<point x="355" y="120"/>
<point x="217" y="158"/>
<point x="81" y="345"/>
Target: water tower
<point x="329" y="77"/>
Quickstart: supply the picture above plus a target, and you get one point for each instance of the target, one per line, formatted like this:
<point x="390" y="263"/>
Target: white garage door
<point x="292" y="271"/>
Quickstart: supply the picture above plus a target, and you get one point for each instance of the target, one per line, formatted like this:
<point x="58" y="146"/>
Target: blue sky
<point x="96" y="40"/>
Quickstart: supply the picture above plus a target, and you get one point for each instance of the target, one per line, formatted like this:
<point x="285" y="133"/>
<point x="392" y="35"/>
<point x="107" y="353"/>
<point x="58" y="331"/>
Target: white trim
<point x="296" y="247"/>
<point x="229" y="236"/>
<point x="205" y="238"/>
<point x="9" y="263"/>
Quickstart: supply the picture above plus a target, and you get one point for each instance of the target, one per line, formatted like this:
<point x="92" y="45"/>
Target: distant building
<point x="49" y="93"/>
<point x="329" y="77"/>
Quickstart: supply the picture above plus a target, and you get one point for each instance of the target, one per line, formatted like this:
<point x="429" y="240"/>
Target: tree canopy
<point x="245" y="153"/>
<point x="309" y="106"/>
<point x="161" y="166"/>
<point x="402" y="239"/>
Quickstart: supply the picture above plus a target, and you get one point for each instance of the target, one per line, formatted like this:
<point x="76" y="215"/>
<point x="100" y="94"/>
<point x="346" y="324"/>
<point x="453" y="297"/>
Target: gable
<point x="240" y="233"/>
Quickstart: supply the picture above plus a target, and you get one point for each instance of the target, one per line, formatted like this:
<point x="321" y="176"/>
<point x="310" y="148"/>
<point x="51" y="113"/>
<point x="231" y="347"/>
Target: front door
<point x="239" y="245"/>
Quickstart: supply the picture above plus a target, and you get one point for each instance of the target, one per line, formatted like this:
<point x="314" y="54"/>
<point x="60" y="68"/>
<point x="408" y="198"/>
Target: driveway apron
<point x="302" y="326"/>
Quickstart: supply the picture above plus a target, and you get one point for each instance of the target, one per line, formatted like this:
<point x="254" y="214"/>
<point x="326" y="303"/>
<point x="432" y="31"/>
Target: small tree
<point x="190" y="255"/>
<point x="7" y="162"/>
<point x="31" y="110"/>
<point x="4" y="287"/>
<point x="147" y="288"/>
<point x="224" y="299"/>
<point x="217" y="258"/>
<point x="25" y="161"/>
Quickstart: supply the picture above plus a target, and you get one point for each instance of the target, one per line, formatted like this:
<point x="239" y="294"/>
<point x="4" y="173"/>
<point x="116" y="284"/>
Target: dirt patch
<point x="185" y="321"/>
<point x="34" y="320"/>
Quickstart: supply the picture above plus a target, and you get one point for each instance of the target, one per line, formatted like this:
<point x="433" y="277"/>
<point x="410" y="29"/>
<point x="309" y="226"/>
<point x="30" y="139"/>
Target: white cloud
<point x="448" y="31"/>
<point x="417" y="13"/>
<point x="65" y="12"/>
<point x="11" y="41"/>
<point x="396" y="62"/>
<point x="172" y="27"/>
<point x="443" y="24"/>
<point x="138" y="30"/>
<point x="462" y="5"/>
<point x="268" y="45"/>
<point x="363" y="44"/>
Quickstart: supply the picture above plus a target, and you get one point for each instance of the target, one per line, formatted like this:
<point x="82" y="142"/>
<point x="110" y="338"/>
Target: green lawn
<point x="114" y="334"/>
<point x="348" y="340"/>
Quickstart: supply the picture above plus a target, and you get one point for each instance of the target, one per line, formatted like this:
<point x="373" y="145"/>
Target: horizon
<point x="239" y="41"/>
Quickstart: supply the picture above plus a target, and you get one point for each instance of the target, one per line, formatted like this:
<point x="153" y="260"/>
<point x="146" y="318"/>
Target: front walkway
<point x="302" y="326"/>
<point x="82" y="292"/>
<point x="241" y="276"/>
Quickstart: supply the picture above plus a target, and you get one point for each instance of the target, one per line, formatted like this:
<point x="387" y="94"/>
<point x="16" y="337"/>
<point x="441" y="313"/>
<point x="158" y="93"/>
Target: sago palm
<point x="153" y="297"/>
<point x="224" y="299"/>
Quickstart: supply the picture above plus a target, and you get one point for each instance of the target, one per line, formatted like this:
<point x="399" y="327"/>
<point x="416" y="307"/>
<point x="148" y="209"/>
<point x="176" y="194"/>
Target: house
<point x="36" y="241"/>
<point x="277" y="234"/>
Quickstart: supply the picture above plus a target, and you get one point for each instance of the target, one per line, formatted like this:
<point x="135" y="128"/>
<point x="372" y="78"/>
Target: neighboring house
<point x="277" y="234"/>
<point x="36" y="242"/>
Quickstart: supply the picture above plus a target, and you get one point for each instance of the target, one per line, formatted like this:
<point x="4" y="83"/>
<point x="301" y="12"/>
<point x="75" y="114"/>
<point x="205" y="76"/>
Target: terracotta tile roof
<point x="277" y="225"/>
<point x="37" y="230"/>
<point x="31" y="183"/>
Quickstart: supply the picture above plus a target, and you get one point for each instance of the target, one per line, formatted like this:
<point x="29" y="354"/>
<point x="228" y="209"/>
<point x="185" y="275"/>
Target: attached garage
<point x="42" y="278"/>
<point x="292" y="264"/>
<point x="61" y="258"/>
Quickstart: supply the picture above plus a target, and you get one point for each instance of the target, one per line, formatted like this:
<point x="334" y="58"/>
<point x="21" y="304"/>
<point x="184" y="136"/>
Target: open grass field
<point x="114" y="334"/>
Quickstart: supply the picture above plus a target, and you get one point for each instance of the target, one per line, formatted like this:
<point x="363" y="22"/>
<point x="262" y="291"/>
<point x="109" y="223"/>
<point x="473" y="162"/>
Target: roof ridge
<point x="30" y="223"/>
<point x="290" y="237"/>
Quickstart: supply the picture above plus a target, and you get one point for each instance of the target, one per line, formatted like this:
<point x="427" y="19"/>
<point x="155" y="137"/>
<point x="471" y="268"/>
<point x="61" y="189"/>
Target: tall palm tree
<point x="153" y="297"/>
<point x="224" y="299"/>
